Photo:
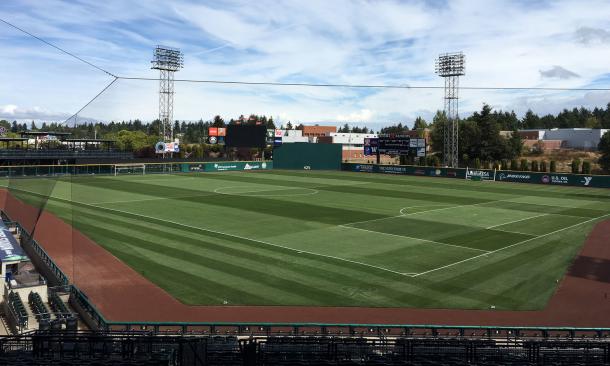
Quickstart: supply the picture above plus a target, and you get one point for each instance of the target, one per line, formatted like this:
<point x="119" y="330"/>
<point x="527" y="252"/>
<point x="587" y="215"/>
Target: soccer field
<point x="333" y="238"/>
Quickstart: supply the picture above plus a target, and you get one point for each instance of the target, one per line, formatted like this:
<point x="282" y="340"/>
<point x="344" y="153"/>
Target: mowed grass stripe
<point x="520" y="273"/>
<point x="262" y="205"/>
<point x="336" y="276"/>
<point x="550" y="209"/>
<point x="542" y="224"/>
<point x="244" y="264"/>
<point x="519" y="189"/>
<point x="352" y="189"/>
<point x="461" y="235"/>
<point x="254" y="280"/>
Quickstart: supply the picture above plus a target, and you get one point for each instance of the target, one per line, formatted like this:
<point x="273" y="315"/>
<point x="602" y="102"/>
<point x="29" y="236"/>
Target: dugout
<point x="303" y="155"/>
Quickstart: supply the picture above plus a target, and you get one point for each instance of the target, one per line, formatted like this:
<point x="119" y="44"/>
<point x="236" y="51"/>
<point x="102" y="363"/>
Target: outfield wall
<point x="557" y="179"/>
<point x="302" y="155"/>
<point x="15" y="171"/>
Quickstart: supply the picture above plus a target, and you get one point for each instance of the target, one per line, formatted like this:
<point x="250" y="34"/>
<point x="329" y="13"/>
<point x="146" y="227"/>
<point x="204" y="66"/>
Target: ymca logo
<point x="586" y="180"/>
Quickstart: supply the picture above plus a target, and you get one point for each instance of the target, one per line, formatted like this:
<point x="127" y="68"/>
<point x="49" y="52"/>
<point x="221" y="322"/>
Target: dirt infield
<point x="123" y="295"/>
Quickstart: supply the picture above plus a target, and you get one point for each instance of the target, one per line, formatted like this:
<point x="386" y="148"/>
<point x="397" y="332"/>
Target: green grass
<point x="332" y="238"/>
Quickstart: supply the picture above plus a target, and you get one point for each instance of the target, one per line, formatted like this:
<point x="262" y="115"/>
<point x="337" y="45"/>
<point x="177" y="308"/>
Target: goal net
<point x="133" y="169"/>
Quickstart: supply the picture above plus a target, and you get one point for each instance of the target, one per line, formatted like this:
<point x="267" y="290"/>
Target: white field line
<point x="414" y="238"/>
<point x="246" y="238"/>
<point x="509" y="246"/>
<point x="420" y="212"/>
<point x="512" y="232"/>
<point x="432" y="204"/>
<point x="512" y="222"/>
<point x="312" y="191"/>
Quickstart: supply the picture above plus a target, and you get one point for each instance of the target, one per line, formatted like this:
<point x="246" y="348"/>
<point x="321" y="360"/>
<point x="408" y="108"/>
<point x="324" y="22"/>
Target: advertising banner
<point x="577" y="180"/>
<point x="238" y="165"/>
<point x="371" y="144"/>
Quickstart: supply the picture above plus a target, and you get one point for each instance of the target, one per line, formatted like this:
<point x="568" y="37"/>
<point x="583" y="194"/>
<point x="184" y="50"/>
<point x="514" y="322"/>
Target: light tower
<point x="167" y="60"/>
<point x="450" y="66"/>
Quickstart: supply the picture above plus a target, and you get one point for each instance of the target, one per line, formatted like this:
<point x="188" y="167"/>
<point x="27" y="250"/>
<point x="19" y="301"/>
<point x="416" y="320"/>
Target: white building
<point x="572" y="138"/>
<point x="289" y="136"/>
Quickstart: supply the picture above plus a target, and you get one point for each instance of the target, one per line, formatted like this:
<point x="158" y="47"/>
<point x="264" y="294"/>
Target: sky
<point x="515" y="43"/>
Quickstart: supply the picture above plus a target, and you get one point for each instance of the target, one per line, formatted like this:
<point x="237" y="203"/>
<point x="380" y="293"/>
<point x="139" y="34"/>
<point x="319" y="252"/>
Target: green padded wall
<point x="302" y="155"/>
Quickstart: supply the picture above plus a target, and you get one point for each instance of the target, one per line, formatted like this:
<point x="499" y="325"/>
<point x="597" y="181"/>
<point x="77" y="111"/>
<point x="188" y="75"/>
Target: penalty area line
<point x="508" y="246"/>
<point x="414" y="238"/>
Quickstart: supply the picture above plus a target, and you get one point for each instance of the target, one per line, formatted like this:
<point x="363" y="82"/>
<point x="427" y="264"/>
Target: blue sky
<point x="507" y="43"/>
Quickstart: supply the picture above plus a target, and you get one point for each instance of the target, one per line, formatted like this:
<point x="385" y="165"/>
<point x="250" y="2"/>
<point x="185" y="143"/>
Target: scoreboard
<point x="401" y="145"/>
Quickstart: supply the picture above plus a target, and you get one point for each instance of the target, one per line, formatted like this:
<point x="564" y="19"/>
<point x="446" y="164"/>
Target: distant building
<point x="317" y="131"/>
<point x="289" y="136"/>
<point x="353" y="143"/>
<point x="562" y="138"/>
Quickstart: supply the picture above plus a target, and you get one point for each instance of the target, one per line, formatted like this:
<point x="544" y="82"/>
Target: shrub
<point x="575" y="166"/>
<point x="485" y="164"/>
<point x="514" y="165"/>
<point x="543" y="167"/>
<point x="524" y="165"/>
<point x="535" y="165"/>
<point x="553" y="166"/>
<point x="586" y="167"/>
<point x="504" y="164"/>
<point x="477" y="163"/>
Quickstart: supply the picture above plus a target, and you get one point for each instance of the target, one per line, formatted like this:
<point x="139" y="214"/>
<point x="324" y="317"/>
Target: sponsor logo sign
<point x="222" y="131"/>
<point x="213" y="131"/>
<point x="213" y="139"/>
<point x="514" y="177"/>
<point x="364" y="168"/>
<point x="196" y="168"/>
<point x="392" y="169"/>
<point x="483" y="174"/>
<point x="420" y="172"/>
<point x="586" y="180"/>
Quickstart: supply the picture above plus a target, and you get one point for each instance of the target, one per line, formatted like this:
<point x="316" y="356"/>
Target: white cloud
<point x="362" y="115"/>
<point x="558" y="72"/>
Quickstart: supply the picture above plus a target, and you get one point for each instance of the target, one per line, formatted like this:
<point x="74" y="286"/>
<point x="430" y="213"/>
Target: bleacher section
<point x="39" y="310"/>
<point x="17" y="311"/>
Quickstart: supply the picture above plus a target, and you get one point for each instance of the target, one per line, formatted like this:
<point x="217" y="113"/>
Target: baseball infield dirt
<point x="123" y="295"/>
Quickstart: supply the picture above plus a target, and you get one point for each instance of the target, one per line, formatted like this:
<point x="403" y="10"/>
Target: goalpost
<point x="120" y="169"/>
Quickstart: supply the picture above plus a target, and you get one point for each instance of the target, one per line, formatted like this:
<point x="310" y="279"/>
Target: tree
<point x="218" y="122"/>
<point x="419" y="124"/>
<point x="524" y="165"/>
<point x="553" y="166"/>
<point x="535" y="165"/>
<point x="586" y="167"/>
<point x="575" y="166"/>
<point x="543" y="167"/>
<point x="289" y="126"/>
<point x="604" y="149"/>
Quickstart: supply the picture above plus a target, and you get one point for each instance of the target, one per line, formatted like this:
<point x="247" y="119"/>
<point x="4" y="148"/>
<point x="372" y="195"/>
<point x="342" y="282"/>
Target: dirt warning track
<point x="123" y="295"/>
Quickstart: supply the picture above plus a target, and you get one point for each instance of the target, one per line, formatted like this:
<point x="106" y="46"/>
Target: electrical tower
<point x="167" y="60"/>
<point x="450" y="66"/>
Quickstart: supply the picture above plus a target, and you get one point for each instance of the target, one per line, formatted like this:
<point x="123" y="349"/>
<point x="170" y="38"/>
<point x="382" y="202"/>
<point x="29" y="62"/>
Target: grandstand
<point x="53" y="148"/>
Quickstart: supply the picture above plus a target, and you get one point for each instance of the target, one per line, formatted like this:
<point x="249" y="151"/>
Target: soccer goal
<point x="131" y="169"/>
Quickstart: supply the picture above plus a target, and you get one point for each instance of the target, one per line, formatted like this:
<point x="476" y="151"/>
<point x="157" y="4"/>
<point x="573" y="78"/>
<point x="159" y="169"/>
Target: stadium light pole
<point x="451" y="66"/>
<point x="167" y="60"/>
